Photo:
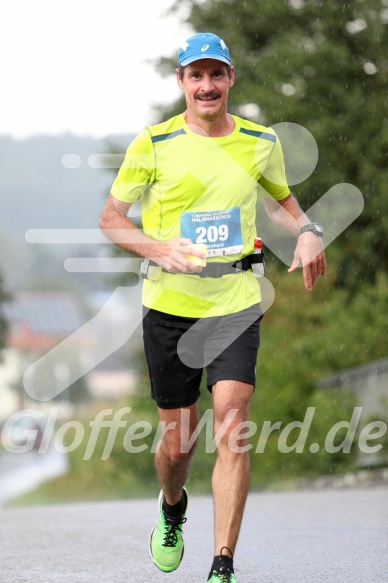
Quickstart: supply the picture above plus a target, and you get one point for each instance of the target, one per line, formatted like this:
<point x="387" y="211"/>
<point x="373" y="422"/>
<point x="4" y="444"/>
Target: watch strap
<point x="314" y="227"/>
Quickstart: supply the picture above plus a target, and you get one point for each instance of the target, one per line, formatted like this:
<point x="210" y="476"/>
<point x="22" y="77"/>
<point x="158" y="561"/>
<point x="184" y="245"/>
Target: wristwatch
<point x="314" y="227"/>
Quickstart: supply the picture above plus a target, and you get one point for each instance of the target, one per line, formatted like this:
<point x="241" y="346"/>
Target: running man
<point x="198" y="177"/>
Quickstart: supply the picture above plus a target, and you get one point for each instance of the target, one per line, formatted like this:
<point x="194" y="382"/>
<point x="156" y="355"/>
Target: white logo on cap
<point x="204" y="48"/>
<point x="223" y="45"/>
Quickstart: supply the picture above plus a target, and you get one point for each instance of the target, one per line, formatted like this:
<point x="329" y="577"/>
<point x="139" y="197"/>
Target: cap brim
<point x="201" y="56"/>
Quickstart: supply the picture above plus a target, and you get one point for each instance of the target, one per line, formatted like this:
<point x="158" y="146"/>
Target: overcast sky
<point x="81" y="65"/>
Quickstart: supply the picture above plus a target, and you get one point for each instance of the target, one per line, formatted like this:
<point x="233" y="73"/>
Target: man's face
<point x="206" y="85"/>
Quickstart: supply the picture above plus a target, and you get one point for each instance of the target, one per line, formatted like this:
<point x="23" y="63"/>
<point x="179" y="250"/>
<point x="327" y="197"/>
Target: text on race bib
<point x="219" y="230"/>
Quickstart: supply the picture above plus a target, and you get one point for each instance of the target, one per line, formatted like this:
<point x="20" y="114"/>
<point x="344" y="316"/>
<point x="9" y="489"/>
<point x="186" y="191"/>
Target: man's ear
<point x="231" y="80"/>
<point x="178" y="79"/>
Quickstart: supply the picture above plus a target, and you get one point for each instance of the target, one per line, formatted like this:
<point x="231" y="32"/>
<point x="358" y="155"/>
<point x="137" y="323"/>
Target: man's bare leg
<point x="172" y="461"/>
<point x="231" y="474"/>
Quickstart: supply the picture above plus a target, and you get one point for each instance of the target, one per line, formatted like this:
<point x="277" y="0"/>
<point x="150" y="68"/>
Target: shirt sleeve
<point x="273" y="178"/>
<point x="137" y="171"/>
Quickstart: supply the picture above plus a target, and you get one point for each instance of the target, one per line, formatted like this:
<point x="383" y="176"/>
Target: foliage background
<point x="322" y="65"/>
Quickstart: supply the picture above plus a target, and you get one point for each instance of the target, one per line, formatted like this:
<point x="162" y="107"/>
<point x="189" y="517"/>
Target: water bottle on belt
<point x="258" y="263"/>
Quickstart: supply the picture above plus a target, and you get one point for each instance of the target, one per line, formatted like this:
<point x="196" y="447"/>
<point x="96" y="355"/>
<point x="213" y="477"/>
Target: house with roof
<point x="39" y="321"/>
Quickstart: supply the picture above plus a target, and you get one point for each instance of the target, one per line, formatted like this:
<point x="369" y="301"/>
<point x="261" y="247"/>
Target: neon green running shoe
<point x="222" y="576"/>
<point x="166" y="542"/>
<point x="222" y="569"/>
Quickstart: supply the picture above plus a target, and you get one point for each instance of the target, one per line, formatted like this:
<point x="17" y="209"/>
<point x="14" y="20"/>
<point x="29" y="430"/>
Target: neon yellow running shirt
<point x="190" y="185"/>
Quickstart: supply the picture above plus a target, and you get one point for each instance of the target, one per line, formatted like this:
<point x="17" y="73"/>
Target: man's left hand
<point x="309" y="253"/>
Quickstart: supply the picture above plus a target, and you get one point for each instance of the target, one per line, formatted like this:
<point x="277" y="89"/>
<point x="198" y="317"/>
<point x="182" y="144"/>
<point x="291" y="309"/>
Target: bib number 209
<point x="212" y="234"/>
<point x="220" y="230"/>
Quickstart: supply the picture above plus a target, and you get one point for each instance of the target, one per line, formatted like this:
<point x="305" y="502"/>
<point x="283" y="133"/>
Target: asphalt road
<point x="329" y="536"/>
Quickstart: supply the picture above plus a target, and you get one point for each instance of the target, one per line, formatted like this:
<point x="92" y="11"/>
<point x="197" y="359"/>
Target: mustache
<point x="209" y="95"/>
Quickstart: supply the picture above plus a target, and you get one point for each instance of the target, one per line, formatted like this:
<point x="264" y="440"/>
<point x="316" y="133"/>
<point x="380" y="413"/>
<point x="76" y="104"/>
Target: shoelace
<point x="224" y="574"/>
<point x="171" y="534"/>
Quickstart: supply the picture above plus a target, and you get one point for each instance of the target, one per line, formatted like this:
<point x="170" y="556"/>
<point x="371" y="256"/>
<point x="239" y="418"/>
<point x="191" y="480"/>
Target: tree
<point x="322" y="65"/>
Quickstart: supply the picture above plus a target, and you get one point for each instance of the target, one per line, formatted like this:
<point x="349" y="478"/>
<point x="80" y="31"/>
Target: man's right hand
<point x="172" y="256"/>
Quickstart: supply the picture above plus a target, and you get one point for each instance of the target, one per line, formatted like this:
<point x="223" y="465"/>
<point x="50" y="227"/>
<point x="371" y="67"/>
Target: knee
<point x="179" y="452"/>
<point x="231" y="437"/>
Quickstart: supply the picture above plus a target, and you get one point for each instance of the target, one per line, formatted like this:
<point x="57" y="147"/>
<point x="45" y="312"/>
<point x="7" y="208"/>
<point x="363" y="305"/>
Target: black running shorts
<point x="178" y="349"/>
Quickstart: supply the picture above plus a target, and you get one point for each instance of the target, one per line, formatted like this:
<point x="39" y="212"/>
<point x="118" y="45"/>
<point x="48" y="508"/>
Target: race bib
<point x="219" y="230"/>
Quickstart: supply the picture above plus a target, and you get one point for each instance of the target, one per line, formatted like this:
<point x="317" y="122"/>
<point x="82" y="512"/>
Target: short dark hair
<point x="181" y="70"/>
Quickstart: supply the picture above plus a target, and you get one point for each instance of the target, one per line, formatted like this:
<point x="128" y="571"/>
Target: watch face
<point x="318" y="228"/>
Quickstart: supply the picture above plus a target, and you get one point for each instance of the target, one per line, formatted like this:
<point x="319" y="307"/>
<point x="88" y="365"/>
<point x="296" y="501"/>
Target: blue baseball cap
<point x="204" y="45"/>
